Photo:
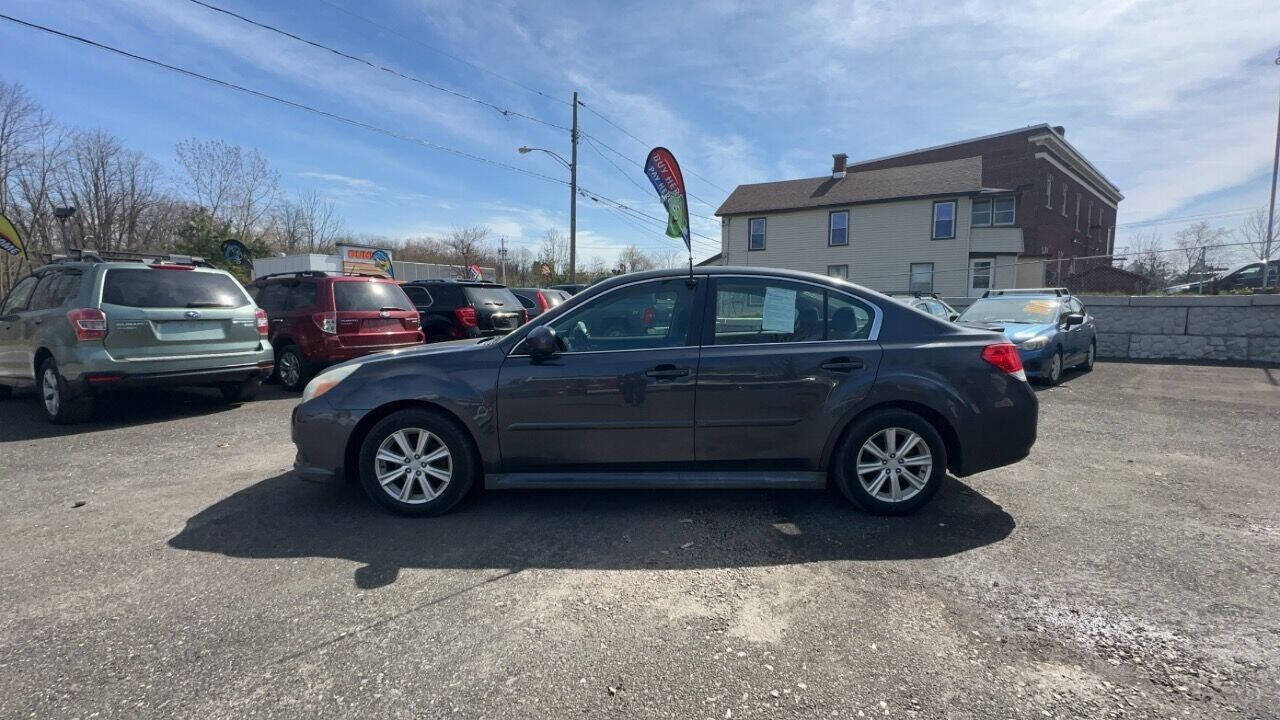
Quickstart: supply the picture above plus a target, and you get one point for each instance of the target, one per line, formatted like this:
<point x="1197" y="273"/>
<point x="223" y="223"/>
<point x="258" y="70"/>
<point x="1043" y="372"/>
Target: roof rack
<point x="296" y="273"/>
<point x="103" y="256"/>
<point x="910" y="293"/>
<point x="1056" y="292"/>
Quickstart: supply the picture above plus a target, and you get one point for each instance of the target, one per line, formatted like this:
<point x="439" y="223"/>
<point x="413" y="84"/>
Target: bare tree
<point x="1199" y="245"/>
<point x="111" y="187"/>
<point x="237" y="187"/>
<point x="669" y="258"/>
<point x="467" y="244"/>
<point x="320" y="222"/>
<point x="1253" y="230"/>
<point x="1149" y="258"/>
<point x="633" y="259"/>
<point x="554" y="253"/>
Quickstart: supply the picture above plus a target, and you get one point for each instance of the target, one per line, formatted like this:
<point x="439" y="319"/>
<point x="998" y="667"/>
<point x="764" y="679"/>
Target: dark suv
<point x="458" y="309"/>
<point x="317" y="319"/>
<point x="739" y="377"/>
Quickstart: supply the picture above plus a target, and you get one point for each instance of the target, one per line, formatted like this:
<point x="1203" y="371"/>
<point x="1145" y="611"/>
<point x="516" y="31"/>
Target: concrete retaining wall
<point x="1230" y="328"/>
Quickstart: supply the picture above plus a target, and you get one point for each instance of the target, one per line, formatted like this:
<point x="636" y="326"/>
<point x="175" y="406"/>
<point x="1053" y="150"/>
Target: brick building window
<point x="755" y="227"/>
<point x="1077" y="212"/>
<point x="1048" y="191"/>
<point x="944" y="219"/>
<point x="1064" y="199"/>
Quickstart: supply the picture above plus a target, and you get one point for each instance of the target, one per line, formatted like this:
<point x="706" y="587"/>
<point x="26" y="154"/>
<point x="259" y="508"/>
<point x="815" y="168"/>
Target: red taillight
<point x="543" y="305"/>
<point x="327" y="322"/>
<point x="467" y="316"/>
<point x="413" y="322"/>
<point x="261" y="316"/>
<point x="524" y="316"/>
<point x="89" y="323"/>
<point x="1005" y="357"/>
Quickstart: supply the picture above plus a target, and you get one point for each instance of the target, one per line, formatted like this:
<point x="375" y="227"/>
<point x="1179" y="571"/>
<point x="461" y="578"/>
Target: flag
<point x="664" y="172"/>
<point x="475" y="272"/>
<point x="10" y="240"/>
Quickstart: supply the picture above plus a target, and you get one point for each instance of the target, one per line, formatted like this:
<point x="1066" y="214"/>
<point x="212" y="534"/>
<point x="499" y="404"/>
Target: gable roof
<point x="951" y="177"/>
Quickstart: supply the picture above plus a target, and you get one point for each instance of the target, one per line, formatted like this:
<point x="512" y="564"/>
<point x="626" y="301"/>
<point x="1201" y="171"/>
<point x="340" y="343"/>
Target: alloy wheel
<point x="413" y="465"/>
<point x="289" y="369"/>
<point x="1055" y="367"/>
<point x="894" y="465"/>
<point x="49" y="391"/>
<point x="1093" y="352"/>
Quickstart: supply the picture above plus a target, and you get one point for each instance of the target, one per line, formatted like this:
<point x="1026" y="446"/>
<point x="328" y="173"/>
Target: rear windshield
<point x="363" y="296"/>
<point x="149" y="288"/>
<point x="482" y="296"/>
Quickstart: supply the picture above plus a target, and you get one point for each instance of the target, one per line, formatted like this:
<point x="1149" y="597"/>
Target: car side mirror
<point x="953" y="316"/>
<point x="540" y="342"/>
<point x="1073" y="319"/>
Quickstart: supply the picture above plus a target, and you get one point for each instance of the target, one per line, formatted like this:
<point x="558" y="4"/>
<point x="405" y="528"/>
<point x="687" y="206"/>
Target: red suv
<point x="316" y="319"/>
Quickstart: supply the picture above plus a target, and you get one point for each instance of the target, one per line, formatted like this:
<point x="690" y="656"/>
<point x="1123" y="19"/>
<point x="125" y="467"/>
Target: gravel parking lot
<point x="163" y="562"/>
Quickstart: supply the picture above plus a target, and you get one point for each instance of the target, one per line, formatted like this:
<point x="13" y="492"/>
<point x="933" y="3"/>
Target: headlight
<point x="1035" y="343"/>
<point x="326" y="381"/>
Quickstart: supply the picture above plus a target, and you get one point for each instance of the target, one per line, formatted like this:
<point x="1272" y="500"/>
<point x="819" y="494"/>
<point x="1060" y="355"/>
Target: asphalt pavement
<point x="162" y="561"/>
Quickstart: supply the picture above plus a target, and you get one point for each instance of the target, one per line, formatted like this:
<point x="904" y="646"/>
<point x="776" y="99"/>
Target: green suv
<point x="74" y="329"/>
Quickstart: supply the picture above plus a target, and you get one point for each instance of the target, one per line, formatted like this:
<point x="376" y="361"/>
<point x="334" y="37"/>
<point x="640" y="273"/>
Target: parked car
<point x="318" y="319"/>
<point x="1241" y="277"/>
<point x="459" y="309"/>
<point x="539" y="300"/>
<point x="571" y="288"/>
<point x="926" y="302"/>
<point x="757" y="377"/>
<point x="77" y="328"/>
<point x="1051" y="328"/>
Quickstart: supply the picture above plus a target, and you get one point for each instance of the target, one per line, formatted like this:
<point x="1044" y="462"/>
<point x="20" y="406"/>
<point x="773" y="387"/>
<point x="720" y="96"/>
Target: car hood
<point x="1016" y="332"/>
<point x="440" y="348"/>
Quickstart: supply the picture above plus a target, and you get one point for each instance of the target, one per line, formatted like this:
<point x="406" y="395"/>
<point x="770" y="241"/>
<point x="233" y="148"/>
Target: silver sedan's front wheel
<point x="894" y="465"/>
<point x="413" y="465"/>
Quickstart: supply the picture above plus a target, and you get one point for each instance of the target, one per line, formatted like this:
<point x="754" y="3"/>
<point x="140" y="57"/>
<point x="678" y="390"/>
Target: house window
<point x="981" y="213"/>
<point x="1064" y="199"/>
<point x="838" y="228"/>
<point x="838" y="271"/>
<point x="1048" y="191"/>
<point x="756" y="241"/>
<point x="921" y="277"/>
<point x="944" y="219"/>
<point x="1002" y="210"/>
<point x="1088" y="222"/>
<point x="1077" y="212"/>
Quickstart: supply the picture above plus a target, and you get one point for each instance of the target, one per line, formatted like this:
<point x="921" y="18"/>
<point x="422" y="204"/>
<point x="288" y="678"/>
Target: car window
<point x="525" y="301"/>
<point x="935" y="308"/>
<point x="446" y="296"/>
<point x="301" y="296"/>
<point x="417" y="295"/>
<point x="847" y="317"/>
<point x="488" y="296"/>
<point x="649" y="315"/>
<point x="19" y="296"/>
<point x="763" y="310"/>
<point x="42" y="298"/>
<point x="273" y="297"/>
<point x="1013" y="309"/>
<point x="152" y="288"/>
<point x="365" y="296"/>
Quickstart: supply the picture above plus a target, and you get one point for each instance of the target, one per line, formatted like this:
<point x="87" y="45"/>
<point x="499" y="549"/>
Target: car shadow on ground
<point x="283" y="517"/>
<point x="23" y="418"/>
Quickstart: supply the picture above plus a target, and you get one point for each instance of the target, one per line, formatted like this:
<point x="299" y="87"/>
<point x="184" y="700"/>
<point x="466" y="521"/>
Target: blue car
<point x="1051" y="328"/>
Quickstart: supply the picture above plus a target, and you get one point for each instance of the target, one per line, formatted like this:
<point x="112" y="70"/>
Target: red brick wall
<point x="1009" y="162"/>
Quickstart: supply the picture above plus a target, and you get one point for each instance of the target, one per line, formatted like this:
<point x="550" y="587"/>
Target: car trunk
<point x="372" y="313"/>
<point x="497" y="309"/>
<point x="170" y="314"/>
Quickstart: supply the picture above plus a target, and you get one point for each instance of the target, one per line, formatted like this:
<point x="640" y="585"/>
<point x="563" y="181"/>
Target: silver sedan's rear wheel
<point x="413" y="465"/>
<point x="894" y="465"/>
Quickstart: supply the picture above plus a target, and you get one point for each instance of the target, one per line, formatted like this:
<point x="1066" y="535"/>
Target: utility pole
<point x="1271" y="212"/>
<point x="502" y="253"/>
<point x="573" y="196"/>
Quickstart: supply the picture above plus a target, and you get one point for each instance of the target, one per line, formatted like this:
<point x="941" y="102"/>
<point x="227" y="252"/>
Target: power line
<point x="1202" y="216"/>
<point x="283" y="101"/>
<point x="455" y="58"/>
<point x="505" y="112"/>
<point x="640" y="165"/>
<point x="628" y="133"/>
<point x="592" y="143"/>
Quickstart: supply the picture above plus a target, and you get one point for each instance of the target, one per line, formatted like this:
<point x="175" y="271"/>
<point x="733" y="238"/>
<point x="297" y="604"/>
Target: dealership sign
<point x="361" y="260"/>
<point x="664" y="172"/>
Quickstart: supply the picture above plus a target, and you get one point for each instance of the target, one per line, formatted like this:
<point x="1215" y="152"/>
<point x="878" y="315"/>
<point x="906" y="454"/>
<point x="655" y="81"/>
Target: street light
<point x="525" y="150"/>
<point x="1271" y="211"/>
<point x="573" y="200"/>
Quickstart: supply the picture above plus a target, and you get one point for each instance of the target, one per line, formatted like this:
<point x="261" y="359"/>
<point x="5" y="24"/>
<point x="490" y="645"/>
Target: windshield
<point x="1032" y="311"/>
<point x="151" y="288"/>
<point x="489" y="296"/>
<point x="367" y="296"/>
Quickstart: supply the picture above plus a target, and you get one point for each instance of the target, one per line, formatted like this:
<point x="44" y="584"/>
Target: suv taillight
<point x="1006" y="359"/>
<point x="413" y="322"/>
<point x="467" y="316"/>
<point x="543" y="305"/>
<point x="261" y="316"/>
<point x="327" y="322"/>
<point x="89" y="323"/>
<point x="524" y="316"/>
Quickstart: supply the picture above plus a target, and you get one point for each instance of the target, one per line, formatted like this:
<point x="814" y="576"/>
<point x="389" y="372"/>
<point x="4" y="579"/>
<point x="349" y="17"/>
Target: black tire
<point x="846" y="458"/>
<point x="242" y="391"/>
<point x="463" y="464"/>
<point x="63" y="410"/>
<point x="1090" y="356"/>
<point x="1049" y="377"/>
<point x="5" y="392"/>
<point x="288" y="358"/>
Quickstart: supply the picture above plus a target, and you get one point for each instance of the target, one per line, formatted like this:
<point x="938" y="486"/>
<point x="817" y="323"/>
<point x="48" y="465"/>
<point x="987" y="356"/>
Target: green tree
<point x="202" y="236"/>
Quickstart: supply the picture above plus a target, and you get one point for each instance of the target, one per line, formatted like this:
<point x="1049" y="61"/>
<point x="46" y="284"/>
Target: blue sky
<point x="1174" y="101"/>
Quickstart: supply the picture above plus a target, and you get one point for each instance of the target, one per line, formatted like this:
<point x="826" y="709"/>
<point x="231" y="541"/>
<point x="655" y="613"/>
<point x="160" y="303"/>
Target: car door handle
<point x="667" y="372"/>
<point x="843" y="364"/>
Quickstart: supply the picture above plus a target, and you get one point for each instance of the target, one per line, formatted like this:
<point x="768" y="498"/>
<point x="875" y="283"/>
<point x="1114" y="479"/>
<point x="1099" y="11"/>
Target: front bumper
<point x="1036" y="362"/>
<point x="320" y="435"/>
